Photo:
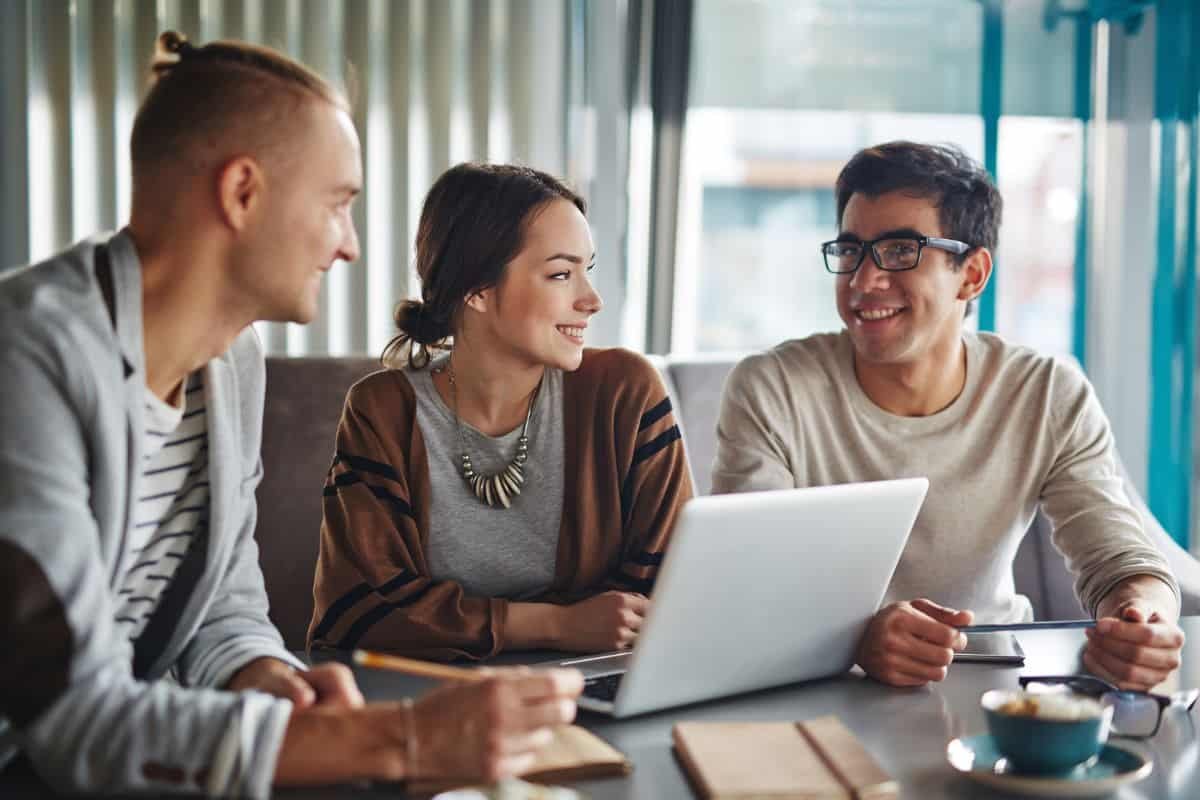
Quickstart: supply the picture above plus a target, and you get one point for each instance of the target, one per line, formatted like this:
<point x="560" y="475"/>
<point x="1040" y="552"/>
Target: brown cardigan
<point x="626" y="478"/>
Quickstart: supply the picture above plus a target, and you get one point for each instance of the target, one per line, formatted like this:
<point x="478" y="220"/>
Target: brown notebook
<point x="574" y="754"/>
<point x="810" y="760"/>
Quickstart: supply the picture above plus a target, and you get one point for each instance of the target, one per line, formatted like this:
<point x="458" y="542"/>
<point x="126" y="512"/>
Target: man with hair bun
<point x="1000" y="430"/>
<point x="138" y="652"/>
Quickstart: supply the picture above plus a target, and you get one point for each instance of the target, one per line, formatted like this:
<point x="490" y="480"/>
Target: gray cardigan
<point x="70" y="439"/>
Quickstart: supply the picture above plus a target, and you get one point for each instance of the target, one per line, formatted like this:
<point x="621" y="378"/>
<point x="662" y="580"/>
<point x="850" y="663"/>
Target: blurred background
<point x="706" y="135"/>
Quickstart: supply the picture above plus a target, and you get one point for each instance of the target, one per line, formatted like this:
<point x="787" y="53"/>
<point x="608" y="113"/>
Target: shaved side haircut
<point x="207" y="104"/>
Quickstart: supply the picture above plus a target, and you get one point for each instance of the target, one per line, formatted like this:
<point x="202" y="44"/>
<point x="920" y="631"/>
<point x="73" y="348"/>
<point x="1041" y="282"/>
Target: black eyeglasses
<point x="894" y="253"/>
<point x="1136" y="715"/>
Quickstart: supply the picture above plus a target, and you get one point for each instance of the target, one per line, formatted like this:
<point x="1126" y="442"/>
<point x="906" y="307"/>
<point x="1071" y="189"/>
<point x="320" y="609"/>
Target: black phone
<point x="991" y="648"/>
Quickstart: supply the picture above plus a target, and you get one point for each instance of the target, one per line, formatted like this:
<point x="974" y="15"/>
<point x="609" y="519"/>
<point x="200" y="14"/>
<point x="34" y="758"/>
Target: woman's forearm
<point x="533" y="625"/>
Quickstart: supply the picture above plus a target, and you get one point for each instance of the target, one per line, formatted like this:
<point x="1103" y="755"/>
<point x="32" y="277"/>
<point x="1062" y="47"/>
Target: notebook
<point x="812" y="760"/>
<point x="575" y="754"/>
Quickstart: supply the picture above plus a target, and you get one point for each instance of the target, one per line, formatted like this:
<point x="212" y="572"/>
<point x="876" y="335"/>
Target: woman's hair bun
<point x="414" y="319"/>
<point x="421" y="330"/>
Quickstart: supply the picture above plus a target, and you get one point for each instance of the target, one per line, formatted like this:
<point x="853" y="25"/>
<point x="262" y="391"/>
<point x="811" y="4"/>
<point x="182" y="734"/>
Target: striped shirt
<point x="172" y="505"/>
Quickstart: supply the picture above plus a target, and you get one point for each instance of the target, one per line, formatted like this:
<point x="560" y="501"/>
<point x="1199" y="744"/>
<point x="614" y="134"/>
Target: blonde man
<point x="129" y="447"/>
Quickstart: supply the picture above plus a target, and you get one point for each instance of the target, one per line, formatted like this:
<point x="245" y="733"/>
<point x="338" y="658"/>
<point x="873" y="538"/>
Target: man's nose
<point x="350" y="250"/>
<point x="869" y="276"/>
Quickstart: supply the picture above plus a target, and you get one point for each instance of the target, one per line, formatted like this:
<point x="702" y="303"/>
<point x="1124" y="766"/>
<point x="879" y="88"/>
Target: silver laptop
<point x="759" y="589"/>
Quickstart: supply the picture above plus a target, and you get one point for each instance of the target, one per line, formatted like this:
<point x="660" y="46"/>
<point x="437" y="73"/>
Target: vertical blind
<point x="434" y="82"/>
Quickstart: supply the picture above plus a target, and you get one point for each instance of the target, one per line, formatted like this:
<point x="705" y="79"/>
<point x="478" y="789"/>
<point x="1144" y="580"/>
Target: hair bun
<point x="420" y="332"/>
<point x="416" y="320"/>
<point x="174" y="43"/>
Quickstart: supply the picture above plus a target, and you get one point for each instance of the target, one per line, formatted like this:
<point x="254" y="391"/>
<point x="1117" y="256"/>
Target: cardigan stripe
<point x="647" y="559"/>
<point x="651" y="447"/>
<point x="642" y="453"/>
<point x="403" y="579"/>
<point x="340" y="607"/>
<point x="640" y="585"/>
<point x="350" y="478"/>
<point x="352" y="597"/>
<point x="361" y="464"/>
<point x="358" y="629"/>
<point x="655" y="414"/>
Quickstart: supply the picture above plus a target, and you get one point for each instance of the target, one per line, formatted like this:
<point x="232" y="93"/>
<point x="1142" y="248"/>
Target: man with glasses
<point x="999" y="430"/>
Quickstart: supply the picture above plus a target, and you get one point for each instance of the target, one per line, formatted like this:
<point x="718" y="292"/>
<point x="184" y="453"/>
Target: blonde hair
<point x="204" y="101"/>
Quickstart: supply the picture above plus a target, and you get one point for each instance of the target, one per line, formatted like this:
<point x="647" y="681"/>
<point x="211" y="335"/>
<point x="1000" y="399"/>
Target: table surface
<point x="906" y="729"/>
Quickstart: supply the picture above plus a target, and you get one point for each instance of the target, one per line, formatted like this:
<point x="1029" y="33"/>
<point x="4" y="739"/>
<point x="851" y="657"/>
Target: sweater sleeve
<point x="1095" y="528"/>
<point x="657" y="481"/>
<point x="373" y="586"/>
<point x="751" y="451"/>
<point x="236" y="628"/>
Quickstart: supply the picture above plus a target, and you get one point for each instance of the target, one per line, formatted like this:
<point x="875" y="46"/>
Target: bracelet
<point x="410" y="738"/>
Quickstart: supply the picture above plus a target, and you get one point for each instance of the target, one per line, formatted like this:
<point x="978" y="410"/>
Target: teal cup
<point x="1045" y="734"/>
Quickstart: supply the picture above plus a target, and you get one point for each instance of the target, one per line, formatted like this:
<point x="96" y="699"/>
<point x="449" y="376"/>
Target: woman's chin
<point x="566" y="361"/>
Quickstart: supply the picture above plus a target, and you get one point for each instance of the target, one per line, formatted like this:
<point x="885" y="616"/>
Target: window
<point x="783" y="92"/>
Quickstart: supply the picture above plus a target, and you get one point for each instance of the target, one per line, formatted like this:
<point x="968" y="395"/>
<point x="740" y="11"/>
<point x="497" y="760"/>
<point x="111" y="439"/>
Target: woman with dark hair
<point x="501" y="487"/>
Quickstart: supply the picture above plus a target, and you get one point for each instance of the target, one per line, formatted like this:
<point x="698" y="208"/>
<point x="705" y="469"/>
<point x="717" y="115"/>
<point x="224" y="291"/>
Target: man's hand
<point x="485" y="730"/>
<point x="608" y="621"/>
<point x="492" y="729"/>
<point x="324" y="684"/>
<point x="910" y="644"/>
<point x="1136" y="641"/>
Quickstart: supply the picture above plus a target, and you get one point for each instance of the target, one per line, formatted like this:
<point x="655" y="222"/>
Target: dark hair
<point x="968" y="202"/>
<point x="472" y="224"/>
<point x="226" y="91"/>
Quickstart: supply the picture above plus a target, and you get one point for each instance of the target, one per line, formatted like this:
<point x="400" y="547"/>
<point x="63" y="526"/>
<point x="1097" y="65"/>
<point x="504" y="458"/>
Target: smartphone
<point x="991" y="648"/>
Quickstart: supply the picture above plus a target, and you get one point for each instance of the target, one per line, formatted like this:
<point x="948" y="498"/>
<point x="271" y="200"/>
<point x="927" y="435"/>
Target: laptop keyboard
<point x="603" y="688"/>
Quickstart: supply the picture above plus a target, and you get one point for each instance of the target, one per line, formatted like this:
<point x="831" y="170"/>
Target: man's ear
<point x="976" y="271"/>
<point x="240" y="187"/>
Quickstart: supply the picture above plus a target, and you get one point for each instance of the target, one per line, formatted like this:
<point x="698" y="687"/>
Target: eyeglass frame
<point x="1102" y="687"/>
<point x="952" y="246"/>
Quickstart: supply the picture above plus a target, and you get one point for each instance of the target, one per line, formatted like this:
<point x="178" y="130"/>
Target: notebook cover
<point x="815" y="760"/>
<point x="846" y="757"/>
<point x="575" y="754"/>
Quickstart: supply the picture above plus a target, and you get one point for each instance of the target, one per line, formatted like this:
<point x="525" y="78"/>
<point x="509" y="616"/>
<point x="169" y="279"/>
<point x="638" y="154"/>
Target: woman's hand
<point x="608" y="621"/>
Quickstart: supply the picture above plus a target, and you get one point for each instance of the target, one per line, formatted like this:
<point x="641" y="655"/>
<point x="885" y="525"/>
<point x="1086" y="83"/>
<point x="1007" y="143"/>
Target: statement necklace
<point x="498" y="489"/>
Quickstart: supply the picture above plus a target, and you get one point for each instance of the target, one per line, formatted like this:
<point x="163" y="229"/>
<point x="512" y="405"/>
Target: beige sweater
<point x="1026" y="430"/>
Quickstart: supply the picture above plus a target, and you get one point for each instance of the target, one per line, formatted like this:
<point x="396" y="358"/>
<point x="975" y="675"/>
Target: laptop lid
<point x="766" y="588"/>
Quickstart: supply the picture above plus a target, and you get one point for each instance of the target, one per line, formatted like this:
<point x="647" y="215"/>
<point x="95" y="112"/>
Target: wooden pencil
<point x="412" y="666"/>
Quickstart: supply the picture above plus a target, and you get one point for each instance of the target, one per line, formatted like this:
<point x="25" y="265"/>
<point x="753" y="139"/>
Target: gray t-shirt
<point x="493" y="552"/>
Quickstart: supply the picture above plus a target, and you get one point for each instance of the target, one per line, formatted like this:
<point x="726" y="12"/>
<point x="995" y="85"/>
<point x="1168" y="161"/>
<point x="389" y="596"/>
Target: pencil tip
<point x="359" y="657"/>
